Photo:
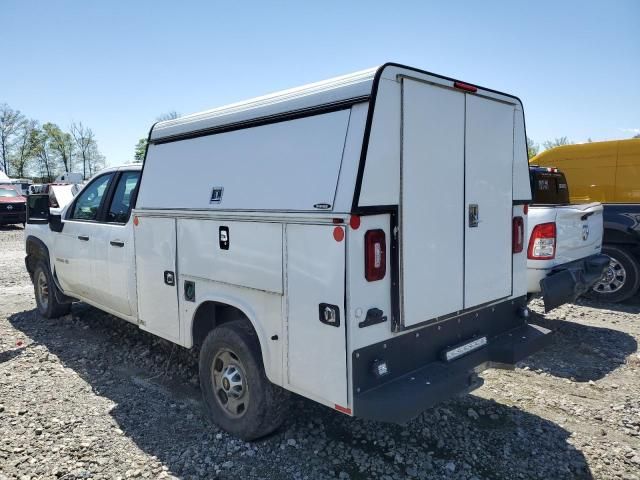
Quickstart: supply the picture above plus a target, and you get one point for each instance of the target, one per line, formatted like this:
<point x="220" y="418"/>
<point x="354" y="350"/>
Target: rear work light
<point x="518" y="235"/>
<point x="542" y="244"/>
<point x="375" y="255"/>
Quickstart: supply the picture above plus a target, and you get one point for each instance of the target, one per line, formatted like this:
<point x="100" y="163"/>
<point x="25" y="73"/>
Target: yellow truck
<point x="607" y="172"/>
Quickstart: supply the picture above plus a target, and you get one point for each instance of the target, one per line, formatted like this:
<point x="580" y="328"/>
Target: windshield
<point x="8" y="192"/>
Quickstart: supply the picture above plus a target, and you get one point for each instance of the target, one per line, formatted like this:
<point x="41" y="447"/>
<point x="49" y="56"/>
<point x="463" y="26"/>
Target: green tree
<point x="10" y="123"/>
<point x="141" y="147"/>
<point x="532" y="148"/>
<point x="24" y="151"/>
<point x="61" y="143"/>
<point x="556" y="142"/>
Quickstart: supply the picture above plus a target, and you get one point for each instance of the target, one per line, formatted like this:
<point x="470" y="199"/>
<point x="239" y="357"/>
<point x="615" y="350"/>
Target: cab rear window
<point x="548" y="188"/>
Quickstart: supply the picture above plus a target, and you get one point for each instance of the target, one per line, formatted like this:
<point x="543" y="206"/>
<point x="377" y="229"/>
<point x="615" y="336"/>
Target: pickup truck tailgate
<point x="579" y="231"/>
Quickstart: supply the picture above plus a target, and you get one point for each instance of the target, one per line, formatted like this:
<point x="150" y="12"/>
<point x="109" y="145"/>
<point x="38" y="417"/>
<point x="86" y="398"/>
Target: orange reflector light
<point x="136" y="221"/>
<point x="354" y="222"/>
<point x="338" y="234"/>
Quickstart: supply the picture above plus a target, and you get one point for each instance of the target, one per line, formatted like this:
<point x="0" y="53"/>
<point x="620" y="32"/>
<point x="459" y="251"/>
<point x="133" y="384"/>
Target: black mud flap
<point x="567" y="282"/>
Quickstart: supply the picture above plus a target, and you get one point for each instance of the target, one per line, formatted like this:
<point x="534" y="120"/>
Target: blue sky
<point x="116" y="66"/>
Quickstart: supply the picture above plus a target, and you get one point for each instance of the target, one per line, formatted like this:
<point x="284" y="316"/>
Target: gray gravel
<point x="91" y="396"/>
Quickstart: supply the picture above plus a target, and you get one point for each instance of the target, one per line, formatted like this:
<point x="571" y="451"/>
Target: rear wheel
<point x="621" y="279"/>
<point x="235" y="388"/>
<point x="44" y="288"/>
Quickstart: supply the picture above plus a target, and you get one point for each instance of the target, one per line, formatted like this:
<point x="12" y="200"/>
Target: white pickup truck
<point x="564" y="240"/>
<point x="358" y="241"/>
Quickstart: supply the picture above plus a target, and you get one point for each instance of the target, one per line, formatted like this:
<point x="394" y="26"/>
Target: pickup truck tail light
<point x="375" y="255"/>
<point x="518" y="235"/>
<point x="542" y="244"/>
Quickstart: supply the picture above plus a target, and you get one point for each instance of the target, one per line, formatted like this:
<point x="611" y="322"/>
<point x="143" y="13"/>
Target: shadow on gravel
<point x="631" y="305"/>
<point x="580" y="352"/>
<point x="157" y="406"/>
<point x="11" y="354"/>
<point x="10" y="228"/>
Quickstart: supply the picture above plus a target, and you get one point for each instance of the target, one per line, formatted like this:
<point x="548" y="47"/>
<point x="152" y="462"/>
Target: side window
<point x="87" y="204"/>
<point x="120" y="207"/>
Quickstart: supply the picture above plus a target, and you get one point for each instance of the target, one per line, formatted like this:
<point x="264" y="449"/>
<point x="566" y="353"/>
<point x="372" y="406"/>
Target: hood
<point x="18" y="199"/>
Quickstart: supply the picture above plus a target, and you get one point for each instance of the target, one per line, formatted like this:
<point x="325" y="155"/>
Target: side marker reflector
<point x="343" y="409"/>
<point x="338" y="234"/>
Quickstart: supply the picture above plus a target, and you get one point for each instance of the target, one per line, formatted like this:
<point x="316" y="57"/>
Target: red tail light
<point x="465" y="86"/>
<point x="518" y="234"/>
<point x="375" y="255"/>
<point x="542" y="244"/>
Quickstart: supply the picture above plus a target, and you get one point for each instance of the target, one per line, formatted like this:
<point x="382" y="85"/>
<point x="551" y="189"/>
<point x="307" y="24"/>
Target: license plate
<point x="461" y="350"/>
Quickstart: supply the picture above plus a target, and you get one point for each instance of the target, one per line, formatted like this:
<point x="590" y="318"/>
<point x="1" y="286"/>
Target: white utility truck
<point x="358" y="241"/>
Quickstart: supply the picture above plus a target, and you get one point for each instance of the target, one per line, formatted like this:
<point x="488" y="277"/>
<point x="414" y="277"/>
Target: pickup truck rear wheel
<point x="235" y="388"/>
<point x="621" y="280"/>
<point x="45" y="292"/>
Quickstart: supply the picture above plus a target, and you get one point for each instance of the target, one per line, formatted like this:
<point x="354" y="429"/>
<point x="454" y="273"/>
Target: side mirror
<point x="38" y="208"/>
<point x="55" y="223"/>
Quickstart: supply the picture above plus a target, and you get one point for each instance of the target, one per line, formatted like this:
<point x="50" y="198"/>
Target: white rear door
<point x="488" y="192"/>
<point x="431" y="251"/>
<point x="456" y="201"/>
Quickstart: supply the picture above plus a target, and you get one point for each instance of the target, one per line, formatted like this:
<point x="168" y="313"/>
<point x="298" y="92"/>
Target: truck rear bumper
<point x="419" y="376"/>
<point x="565" y="283"/>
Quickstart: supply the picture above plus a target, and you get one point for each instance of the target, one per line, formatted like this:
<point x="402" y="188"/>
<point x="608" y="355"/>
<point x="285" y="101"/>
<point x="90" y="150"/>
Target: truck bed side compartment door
<point x="156" y="276"/>
<point x="316" y="318"/>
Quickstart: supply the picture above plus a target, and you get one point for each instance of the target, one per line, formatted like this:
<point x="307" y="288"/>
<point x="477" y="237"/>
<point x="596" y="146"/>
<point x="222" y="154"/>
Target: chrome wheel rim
<point x="613" y="279"/>
<point x="42" y="289"/>
<point x="229" y="383"/>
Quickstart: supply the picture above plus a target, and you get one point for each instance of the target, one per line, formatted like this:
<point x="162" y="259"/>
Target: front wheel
<point x="621" y="279"/>
<point x="238" y="395"/>
<point x="44" y="288"/>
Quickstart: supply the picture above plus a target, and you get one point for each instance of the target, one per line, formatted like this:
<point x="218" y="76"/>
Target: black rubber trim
<point x="266" y="120"/>
<point x="522" y="202"/>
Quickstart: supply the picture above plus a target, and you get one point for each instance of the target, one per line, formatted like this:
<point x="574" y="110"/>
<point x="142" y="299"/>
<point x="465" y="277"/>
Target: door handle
<point x="84" y="238"/>
<point x="117" y="243"/>
<point x="474" y="215"/>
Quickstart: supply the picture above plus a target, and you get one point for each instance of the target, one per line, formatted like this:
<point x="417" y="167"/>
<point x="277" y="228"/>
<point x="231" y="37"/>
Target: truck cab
<point x="358" y="241"/>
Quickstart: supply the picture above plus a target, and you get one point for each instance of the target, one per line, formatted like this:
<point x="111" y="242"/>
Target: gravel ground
<point x="91" y="396"/>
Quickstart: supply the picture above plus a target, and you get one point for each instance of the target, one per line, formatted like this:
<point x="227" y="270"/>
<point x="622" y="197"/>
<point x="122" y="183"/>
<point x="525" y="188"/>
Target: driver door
<point x="73" y="252"/>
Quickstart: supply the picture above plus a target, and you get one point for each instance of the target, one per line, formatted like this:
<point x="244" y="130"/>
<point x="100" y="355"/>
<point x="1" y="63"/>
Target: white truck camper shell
<point x="369" y="227"/>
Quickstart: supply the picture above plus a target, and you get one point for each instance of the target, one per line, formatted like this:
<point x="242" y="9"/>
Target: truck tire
<point x="621" y="279"/>
<point x="45" y="293"/>
<point x="235" y="388"/>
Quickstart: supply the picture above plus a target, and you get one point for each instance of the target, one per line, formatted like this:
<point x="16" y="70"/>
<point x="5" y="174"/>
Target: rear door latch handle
<point x="84" y="238"/>
<point x="474" y="215"/>
<point x="117" y="243"/>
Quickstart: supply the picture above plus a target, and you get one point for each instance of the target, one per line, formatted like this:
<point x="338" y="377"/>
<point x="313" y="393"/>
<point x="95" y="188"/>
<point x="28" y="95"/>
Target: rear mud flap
<point x="572" y="280"/>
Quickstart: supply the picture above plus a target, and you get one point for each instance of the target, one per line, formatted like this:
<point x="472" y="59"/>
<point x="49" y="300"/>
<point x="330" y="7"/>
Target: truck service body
<point x="367" y="231"/>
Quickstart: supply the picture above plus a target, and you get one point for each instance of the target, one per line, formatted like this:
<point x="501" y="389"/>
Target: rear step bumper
<point x="407" y="396"/>
<point x="419" y="376"/>
<point x="565" y="283"/>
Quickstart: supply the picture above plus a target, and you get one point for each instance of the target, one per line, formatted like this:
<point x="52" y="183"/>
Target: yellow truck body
<point x="607" y="172"/>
